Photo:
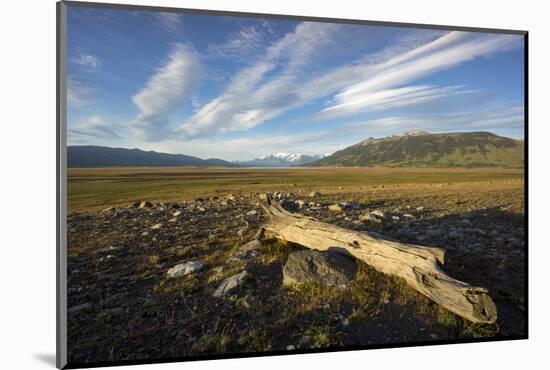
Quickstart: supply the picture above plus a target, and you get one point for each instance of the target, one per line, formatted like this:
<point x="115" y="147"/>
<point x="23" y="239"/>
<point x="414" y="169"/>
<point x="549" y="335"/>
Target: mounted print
<point x="235" y="184"/>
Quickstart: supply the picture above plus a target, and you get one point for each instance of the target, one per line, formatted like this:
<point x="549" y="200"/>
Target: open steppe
<point x="127" y="227"/>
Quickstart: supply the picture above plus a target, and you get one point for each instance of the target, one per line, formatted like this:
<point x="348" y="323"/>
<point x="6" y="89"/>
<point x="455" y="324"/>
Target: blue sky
<point x="238" y="88"/>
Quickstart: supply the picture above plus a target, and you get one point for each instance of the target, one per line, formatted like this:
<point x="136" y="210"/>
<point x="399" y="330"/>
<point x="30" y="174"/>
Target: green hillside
<point x="422" y="149"/>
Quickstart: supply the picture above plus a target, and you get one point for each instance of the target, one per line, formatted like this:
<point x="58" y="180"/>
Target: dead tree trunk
<point x="419" y="266"/>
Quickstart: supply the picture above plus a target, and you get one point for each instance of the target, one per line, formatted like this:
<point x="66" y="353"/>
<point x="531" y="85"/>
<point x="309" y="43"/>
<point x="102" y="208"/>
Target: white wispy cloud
<point x="391" y="98"/>
<point x="95" y="127"/>
<point x="240" y="44"/>
<point x="282" y="80"/>
<point x="248" y="100"/>
<point x="486" y="119"/>
<point x="170" y="22"/>
<point x="447" y="51"/>
<point x="170" y="87"/>
<point x="87" y="62"/>
<point x="78" y="93"/>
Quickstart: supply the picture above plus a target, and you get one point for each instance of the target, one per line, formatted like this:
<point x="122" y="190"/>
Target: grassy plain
<point x="96" y="188"/>
<point x="118" y="259"/>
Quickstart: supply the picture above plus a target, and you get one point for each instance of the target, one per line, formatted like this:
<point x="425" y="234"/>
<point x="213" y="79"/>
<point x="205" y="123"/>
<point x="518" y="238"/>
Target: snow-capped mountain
<point x="281" y="160"/>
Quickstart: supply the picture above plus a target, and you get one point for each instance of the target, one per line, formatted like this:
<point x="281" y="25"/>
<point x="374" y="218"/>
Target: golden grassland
<point x="96" y="188"/>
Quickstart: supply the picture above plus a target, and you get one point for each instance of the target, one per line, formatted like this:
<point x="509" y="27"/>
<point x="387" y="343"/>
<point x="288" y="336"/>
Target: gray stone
<point x="247" y="251"/>
<point x="81" y="307"/>
<point x="434" y="233"/>
<point x="184" y="269"/>
<point x="456" y="234"/>
<point x="230" y="284"/>
<point x="330" y="268"/>
<point x="378" y="214"/>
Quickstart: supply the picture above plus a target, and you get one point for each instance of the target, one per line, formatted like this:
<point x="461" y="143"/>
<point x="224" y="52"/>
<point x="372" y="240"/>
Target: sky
<point x="238" y="88"/>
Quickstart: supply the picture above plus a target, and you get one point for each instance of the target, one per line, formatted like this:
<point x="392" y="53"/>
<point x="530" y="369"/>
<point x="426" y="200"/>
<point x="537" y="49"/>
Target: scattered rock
<point x="252" y="213"/>
<point x="335" y="208"/>
<point x="314" y="194"/>
<point x="467" y="216"/>
<point x="247" y="251"/>
<point x="378" y="214"/>
<point x="156" y="226"/>
<point x="145" y="204"/>
<point x="80" y="307"/>
<point x="176" y="214"/>
<point x="408" y="216"/>
<point x="184" y="269"/>
<point x="434" y="233"/>
<point x="262" y="196"/>
<point x="329" y="267"/>
<point x="153" y="260"/>
<point x="289" y="205"/>
<point x="456" y="234"/>
<point x="230" y="284"/>
<point x="290" y="347"/>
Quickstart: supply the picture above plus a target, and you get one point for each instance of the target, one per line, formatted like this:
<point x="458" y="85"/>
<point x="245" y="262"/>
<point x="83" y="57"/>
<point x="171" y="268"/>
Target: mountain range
<point x="412" y="149"/>
<point x="281" y="160"/>
<point x="102" y="156"/>
<point x="423" y="149"/>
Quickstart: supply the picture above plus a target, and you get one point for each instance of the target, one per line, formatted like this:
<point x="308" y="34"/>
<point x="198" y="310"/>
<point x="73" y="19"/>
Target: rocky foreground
<point x="177" y="279"/>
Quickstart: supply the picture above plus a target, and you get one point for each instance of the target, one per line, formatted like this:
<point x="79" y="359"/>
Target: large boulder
<point x="330" y="268"/>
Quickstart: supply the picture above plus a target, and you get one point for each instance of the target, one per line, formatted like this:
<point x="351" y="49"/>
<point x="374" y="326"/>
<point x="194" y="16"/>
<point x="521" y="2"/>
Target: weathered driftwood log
<point x="419" y="266"/>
